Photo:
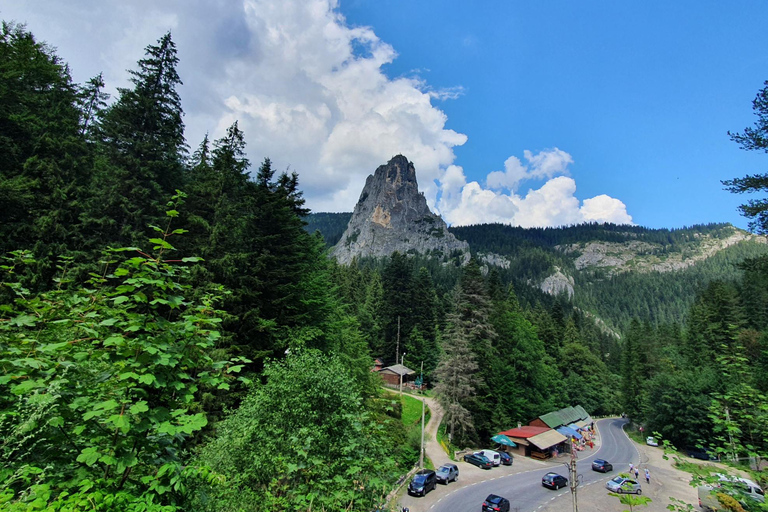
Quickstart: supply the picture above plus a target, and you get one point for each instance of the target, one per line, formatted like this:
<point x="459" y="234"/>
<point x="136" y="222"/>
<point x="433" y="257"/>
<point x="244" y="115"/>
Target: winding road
<point x="521" y="484"/>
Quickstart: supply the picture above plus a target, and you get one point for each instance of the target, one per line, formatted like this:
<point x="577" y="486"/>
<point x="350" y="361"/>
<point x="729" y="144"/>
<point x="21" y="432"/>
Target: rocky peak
<point x="392" y="215"/>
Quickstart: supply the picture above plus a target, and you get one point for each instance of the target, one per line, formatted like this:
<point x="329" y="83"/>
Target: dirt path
<point x="432" y="448"/>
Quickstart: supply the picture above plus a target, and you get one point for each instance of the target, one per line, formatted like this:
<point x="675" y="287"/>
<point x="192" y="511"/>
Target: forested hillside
<point x="643" y="288"/>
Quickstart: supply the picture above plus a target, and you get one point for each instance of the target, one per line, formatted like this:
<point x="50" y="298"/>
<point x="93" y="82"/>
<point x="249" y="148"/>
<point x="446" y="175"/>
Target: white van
<point x="743" y="487"/>
<point x="492" y="456"/>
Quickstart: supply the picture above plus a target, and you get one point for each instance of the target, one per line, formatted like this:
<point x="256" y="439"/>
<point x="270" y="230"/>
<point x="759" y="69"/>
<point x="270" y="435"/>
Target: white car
<point x="651" y="441"/>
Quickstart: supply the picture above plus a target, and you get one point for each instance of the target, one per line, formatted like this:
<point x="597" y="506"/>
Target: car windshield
<point x="443" y="469"/>
<point x="493" y="499"/>
<point x="618" y="480"/>
<point x="419" y="479"/>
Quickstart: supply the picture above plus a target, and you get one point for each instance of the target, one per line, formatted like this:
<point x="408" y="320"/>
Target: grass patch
<point x="442" y="438"/>
<point x="412" y="411"/>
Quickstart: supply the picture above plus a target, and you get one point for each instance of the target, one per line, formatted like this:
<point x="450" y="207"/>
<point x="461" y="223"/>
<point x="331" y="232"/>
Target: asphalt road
<point x="524" y="489"/>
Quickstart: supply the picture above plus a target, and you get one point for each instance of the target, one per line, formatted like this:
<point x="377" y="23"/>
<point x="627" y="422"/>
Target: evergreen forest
<point x="173" y="336"/>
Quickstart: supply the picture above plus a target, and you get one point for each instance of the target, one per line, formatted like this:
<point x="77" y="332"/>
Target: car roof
<point x="424" y="472"/>
<point x="600" y="461"/>
<point x="493" y="498"/>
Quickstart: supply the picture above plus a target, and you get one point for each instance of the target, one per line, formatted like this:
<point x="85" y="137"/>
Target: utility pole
<point x="421" y="454"/>
<point x="397" y="350"/>
<point x="401" y="373"/>
<point x="574" y="480"/>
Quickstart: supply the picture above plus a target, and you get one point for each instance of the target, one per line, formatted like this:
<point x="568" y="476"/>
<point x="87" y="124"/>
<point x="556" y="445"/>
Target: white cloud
<point x="545" y="164"/>
<point x="553" y="204"/>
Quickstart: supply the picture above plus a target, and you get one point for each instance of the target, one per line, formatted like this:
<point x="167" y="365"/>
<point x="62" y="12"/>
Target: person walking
<point x="647" y="476"/>
<point x="637" y="473"/>
<point x="631" y="468"/>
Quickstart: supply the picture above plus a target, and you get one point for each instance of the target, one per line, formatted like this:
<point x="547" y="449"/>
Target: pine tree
<point x="45" y="162"/>
<point x="397" y="280"/>
<point x="92" y="101"/>
<point x="456" y="373"/>
<point x="142" y="149"/>
<point x="631" y="374"/>
<point x="754" y="139"/>
<point x="422" y="340"/>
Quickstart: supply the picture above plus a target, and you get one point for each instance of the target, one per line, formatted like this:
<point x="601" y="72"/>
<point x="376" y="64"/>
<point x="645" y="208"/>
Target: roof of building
<point x="524" y="432"/>
<point x="568" y="432"/>
<point x="569" y="415"/>
<point x="582" y="412"/>
<point x="547" y="439"/>
<point x="552" y="419"/>
<point x="398" y="369"/>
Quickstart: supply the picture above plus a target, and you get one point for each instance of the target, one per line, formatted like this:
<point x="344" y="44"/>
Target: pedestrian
<point x="637" y="473"/>
<point x="631" y="468"/>
<point x="647" y="476"/>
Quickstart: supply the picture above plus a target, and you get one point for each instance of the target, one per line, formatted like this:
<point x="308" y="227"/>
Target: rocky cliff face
<point x="391" y="215"/>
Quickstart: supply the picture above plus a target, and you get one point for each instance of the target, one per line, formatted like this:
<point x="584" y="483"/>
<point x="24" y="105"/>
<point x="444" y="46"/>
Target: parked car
<point x="480" y="461"/>
<point x="624" y="485"/>
<point x="601" y="465"/>
<point x="492" y="455"/>
<point x="554" y="481"/>
<point x="699" y="453"/>
<point x="651" y="441"/>
<point x="506" y="458"/>
<point x="423" y="481"/>
<point x="742" y="489"/>
<point x="495" y="503"/>
<point x="447" y="473"/>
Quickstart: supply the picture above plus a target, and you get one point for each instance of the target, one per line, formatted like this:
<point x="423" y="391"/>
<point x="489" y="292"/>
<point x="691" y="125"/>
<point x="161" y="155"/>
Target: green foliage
<point x="141" y="150"/>
<point x="754" y="139"/>
<point x="631" y="500"/>
<point x="330" y="225"/>
<point x="302" y="440"/>
<point x="44" y="158"/>
<point x="100" y="385"/>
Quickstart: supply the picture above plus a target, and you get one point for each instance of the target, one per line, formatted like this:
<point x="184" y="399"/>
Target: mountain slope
<point x="613" y="272"/>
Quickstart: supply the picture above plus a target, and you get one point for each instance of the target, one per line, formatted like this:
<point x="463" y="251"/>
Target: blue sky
<point x="530" y="113"/>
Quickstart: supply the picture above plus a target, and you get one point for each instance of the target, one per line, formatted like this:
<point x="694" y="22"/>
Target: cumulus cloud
<point x="309" y="92"/>
<point x="553" y="204"/>
<point x="545" y="164"/>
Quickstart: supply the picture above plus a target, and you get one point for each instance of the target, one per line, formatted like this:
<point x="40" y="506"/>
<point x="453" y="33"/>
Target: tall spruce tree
<point x="397" y="279"/>
<point x="142" y="150"/>
<point x="457" y="371"/>
<point x="754" y="139"/>
<point x="43" y="158"/>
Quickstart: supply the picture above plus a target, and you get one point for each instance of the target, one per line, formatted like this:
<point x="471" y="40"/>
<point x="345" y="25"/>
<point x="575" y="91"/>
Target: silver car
<point x="624" y="485"/>
<point x="447" y="473"/>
